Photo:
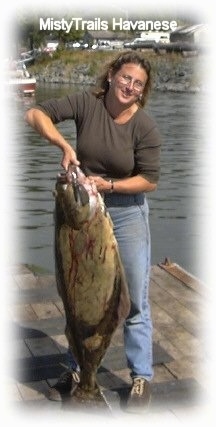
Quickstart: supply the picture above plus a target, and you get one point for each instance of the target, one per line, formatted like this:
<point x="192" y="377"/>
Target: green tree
<point x="27" y="33"/>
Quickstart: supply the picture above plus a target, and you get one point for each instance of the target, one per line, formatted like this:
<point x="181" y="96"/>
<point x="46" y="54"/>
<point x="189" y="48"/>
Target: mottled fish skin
<point x="90" y="276"/>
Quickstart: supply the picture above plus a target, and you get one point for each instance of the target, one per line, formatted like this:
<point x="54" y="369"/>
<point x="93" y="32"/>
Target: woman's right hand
<point x="69" y="157"/>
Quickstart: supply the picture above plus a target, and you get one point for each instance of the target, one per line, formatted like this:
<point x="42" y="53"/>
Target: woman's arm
<point x="135" y="184"/>
<point x="42" y="123"/>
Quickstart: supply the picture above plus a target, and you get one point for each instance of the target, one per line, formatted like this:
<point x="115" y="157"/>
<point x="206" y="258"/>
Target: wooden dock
<point x="37" y="344"/>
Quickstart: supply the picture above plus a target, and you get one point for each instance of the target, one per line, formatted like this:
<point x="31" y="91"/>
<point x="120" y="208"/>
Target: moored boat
<point x="20" y="81"/>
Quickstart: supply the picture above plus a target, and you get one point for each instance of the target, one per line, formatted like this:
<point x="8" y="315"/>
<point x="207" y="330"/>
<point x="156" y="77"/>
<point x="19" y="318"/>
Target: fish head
<point x="72" y="200"/>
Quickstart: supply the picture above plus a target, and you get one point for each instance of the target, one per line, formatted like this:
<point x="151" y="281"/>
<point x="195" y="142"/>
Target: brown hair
<point x="115" y="65"/>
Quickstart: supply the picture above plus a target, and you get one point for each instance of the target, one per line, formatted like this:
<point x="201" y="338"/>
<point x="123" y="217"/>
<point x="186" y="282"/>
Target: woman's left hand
<point x="101" y="183"/>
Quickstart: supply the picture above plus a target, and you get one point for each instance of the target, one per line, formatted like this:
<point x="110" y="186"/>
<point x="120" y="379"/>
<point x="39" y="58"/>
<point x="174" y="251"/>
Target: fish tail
<point x="90" y="398"/>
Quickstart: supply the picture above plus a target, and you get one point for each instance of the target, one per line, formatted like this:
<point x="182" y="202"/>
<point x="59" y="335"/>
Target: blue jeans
<point x="131" y="227"/>
<point x="129" y="214"/>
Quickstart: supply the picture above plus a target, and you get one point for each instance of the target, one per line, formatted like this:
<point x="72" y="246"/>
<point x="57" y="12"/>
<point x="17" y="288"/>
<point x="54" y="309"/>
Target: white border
<point x="204" y="10"/>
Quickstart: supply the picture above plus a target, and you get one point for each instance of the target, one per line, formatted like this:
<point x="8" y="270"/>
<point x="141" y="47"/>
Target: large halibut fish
<point x="90" y="277"/>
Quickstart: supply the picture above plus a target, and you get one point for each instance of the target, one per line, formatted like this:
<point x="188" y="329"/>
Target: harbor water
<point x="176" y="209"/>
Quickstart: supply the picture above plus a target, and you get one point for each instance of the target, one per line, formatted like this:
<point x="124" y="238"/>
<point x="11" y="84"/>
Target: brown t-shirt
<point x="104" y="147"/>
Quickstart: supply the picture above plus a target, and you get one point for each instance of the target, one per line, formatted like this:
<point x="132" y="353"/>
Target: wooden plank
<point x="162" y="282"/>
<point x="23" y="312"/>
<point x="41" y="327"/>
<point x="124" y="375"/>
<point x="35" y="295"/>
<point x="183" y="340"/>
<point x="161" y="374"/>
<point x="41" y="373"/>
<point x="25" y="281"/>
<point x="167" y="345"/>
<point x="160" y="317"/>
<point x="192" y="300"/>
<point x="118" y="337"/>
<point x="12" y="392"/>
<point x="33" y="390"/>
<point x="41" y="346"/>
<point x="19" y="269"/>
<point x="46" y="280"/>
<point x="12" y="284"/>
<point x="111" y="380"/>
<point x="186" y="367"/>
<point x="199" y="413"/>
<point x="115" y="359"/>
<point x="176" y="310"/>
<point x="61" y="342"/>
<point x="18" y="348"/>
<point x="175" y="393"/>
<point x="184" y="276"/>
<point x="60" y="306"/>
<point x="171" y="336"/>
<point x="46" y="310"/>
<point x="45" y="361"/>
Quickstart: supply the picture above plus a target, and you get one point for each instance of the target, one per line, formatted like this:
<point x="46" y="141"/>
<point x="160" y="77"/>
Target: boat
<point x="20" y="81"/>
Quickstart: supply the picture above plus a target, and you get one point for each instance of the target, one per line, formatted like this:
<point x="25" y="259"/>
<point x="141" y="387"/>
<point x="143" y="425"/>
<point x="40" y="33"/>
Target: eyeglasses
<point x="138" y="86"/>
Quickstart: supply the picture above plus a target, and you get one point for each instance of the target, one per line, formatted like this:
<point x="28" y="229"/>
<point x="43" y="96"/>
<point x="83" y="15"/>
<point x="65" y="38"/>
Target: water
<point x="176" y="216"/>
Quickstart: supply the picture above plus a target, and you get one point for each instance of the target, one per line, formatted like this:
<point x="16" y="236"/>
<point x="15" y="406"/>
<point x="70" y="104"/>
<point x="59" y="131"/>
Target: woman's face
<point x="128" y="83"/>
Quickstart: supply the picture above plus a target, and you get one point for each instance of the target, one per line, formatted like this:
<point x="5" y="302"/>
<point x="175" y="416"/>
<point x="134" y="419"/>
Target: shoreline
<point x="171" y="72"/>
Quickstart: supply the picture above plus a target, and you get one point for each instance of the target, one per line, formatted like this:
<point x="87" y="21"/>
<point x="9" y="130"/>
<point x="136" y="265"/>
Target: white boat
<point x="20" y="81"/>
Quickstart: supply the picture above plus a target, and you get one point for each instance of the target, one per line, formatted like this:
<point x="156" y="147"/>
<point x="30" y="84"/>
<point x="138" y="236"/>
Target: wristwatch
<point x="112" y="186"/>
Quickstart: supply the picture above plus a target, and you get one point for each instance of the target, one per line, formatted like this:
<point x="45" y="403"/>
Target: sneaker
<point x="140" y="395"/>
<point x="63" y="386"/>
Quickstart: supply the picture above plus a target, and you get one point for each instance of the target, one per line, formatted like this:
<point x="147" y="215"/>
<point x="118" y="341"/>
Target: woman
<point x="118" y="146"/>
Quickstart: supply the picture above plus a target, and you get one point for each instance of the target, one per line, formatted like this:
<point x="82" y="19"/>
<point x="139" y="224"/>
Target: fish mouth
<point x="70" y="177"/>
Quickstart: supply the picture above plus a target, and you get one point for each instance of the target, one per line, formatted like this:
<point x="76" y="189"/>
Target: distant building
<point x="190" y="34"/>
<point x="157" y="36"/>
<point x="96" y="37"/>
